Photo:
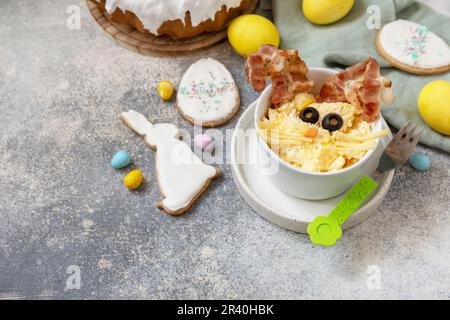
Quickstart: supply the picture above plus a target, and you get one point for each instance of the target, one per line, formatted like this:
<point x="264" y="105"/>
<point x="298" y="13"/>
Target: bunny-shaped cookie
<point x="182" y="176"/>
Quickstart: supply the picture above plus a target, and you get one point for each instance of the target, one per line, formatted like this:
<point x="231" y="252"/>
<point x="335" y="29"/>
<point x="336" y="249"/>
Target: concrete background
<point x="62" y="205"/>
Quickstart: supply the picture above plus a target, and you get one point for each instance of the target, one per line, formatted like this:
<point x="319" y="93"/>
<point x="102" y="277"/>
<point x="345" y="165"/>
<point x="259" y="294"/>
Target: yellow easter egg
<point x="165" y="89"/>
<point x="326" y="11"/>
<point x="434" y="105"/>
<point x="248" y="32"/>
<point x="133" y="180"/>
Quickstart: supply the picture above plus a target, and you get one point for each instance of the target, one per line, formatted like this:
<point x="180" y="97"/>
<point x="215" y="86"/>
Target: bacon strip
<point x="284" y="68"/>
<point x="361" y="85"/>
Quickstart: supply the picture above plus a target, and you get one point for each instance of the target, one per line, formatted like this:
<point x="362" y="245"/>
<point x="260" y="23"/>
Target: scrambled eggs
<point x="311" y="147"/>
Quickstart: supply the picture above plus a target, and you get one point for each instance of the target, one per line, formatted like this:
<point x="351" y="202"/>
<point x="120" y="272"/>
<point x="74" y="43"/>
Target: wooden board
<point x="128" y="37"/>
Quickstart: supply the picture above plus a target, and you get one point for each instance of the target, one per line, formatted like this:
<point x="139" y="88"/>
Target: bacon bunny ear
<point x="361" y="85"/>
<point x="284" y="68"/>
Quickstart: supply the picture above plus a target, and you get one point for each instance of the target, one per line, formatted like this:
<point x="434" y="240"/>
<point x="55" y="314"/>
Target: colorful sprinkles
<point x="415" y="45"/>
<point x="207" y="88"/>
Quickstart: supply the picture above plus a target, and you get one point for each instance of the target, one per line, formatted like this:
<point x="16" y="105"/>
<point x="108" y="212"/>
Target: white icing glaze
<point x="413" y="44"/>
<point x="181" y="174"/>
<point x="207" y="91"/>
<point x="153" y="13"/>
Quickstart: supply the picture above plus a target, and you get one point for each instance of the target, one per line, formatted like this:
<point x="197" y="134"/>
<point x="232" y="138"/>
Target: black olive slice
<point x="332" y="122"/>
<point x="309" y="115"/>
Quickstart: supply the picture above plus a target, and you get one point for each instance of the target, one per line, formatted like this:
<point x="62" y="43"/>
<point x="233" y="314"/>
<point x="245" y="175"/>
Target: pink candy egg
<point x="204" y="142"/>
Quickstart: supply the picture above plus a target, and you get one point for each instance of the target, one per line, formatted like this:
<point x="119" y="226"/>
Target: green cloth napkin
<point x="350" y="41"/>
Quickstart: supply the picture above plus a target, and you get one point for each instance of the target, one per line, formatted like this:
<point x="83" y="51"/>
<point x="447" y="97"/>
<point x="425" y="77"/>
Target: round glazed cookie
<point x="207" y="94"/>
<point x="413" y="48"/>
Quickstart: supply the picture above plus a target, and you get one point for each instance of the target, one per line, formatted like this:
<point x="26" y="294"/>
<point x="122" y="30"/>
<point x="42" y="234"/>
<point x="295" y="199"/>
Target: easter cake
<point x="175" y="18"/>
<point x="324" y="133"/>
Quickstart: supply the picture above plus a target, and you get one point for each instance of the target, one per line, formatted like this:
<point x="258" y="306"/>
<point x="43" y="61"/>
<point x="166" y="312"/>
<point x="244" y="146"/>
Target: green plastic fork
<point x="326" y="231"/>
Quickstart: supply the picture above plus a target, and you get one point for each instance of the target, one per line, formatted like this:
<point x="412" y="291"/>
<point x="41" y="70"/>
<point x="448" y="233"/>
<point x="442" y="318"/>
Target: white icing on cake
<point x="415" y="45"/>
<point x="153" y="13"/>
<point x="207" y="91"/>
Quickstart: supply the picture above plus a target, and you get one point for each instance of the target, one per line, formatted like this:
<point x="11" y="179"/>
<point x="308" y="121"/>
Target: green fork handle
<point x="327" y="230"/>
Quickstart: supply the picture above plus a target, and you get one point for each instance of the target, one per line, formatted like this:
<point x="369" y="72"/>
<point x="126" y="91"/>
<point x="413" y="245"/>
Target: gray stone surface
<point x="61" y="204"/>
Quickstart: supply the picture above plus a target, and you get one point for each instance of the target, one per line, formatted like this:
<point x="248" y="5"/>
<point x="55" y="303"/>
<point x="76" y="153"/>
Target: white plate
<point x="276" y="206"/>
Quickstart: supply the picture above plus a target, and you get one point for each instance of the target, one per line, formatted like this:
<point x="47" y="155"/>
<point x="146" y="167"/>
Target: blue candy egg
<point x="120" y="160"/>
<point x="420" y="161"/>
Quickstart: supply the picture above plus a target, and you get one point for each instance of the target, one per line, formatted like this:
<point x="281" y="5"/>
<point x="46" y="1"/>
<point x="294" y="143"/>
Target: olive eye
<point x="309" y="115"/>
<point x="332" y="122"/>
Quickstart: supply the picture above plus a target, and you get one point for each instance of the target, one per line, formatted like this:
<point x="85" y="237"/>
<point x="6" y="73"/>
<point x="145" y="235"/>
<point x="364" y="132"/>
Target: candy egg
<point x="420" y="161"/>
<point x="204" y="142"/>
<point x="120" y="160"/>
<point x="434" y="105"/>
<point x="248" y="32"/>
<point x="133" y="180"/>
<point x="165" y="89"/>
<point x="326" y="11"/>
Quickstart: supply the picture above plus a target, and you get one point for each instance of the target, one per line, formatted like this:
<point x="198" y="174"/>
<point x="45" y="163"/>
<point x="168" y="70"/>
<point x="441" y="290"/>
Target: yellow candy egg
<point x="326" y="11"/>
<point x="165" y="89"/>
<point x="434" y="105"/>
<point x="248" y="32"/>
<point x="133" y="180"/>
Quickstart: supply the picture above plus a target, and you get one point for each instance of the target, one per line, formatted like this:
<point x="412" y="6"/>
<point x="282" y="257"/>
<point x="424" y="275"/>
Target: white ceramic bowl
<point x="315" y="185"/>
